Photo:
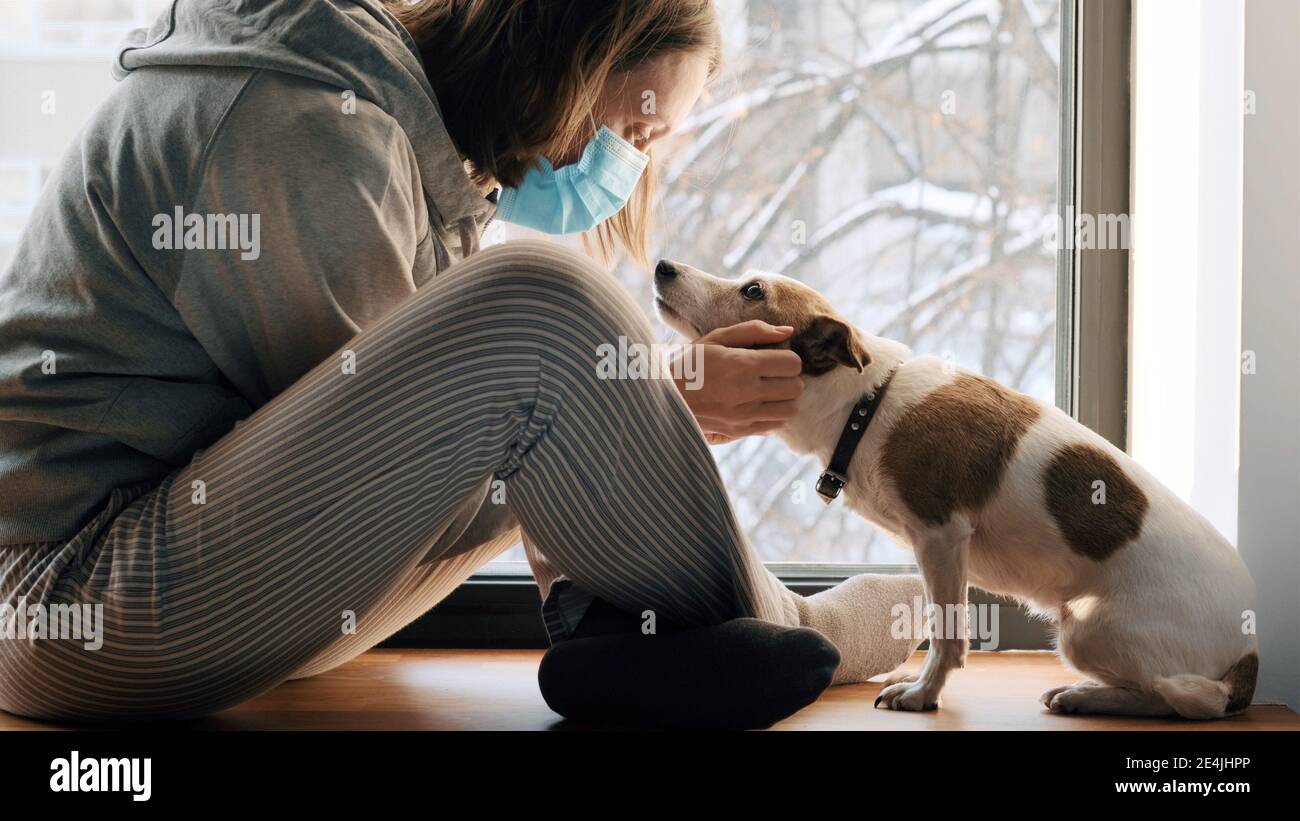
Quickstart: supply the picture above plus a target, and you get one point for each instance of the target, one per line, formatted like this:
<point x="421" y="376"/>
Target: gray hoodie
<point x="268" y="178"/>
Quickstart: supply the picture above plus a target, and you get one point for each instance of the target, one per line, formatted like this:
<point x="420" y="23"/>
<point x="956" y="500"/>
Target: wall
<point x="1269" y="490"/>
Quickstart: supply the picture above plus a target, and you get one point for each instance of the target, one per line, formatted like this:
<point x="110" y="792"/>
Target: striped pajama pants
<point x="353" y="502"/>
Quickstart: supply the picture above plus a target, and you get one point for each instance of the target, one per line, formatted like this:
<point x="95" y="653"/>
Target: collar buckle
<point x="829" y="485"/>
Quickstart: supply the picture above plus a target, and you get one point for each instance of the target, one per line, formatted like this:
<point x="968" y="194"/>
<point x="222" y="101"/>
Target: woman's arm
<point x="340" y="222"/>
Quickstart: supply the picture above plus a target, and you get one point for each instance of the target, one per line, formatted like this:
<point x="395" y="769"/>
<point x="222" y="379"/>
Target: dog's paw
<point x="1046" y="698"/>
<point x="1067" y="699"/>
<point x="908" y="696"/>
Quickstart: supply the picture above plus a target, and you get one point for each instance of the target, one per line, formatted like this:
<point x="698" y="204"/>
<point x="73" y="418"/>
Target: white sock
<point x="858" y="616"/>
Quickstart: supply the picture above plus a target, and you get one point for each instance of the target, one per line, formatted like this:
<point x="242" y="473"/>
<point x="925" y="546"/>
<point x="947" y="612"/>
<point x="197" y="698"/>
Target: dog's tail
<point x="1194" y="696"/>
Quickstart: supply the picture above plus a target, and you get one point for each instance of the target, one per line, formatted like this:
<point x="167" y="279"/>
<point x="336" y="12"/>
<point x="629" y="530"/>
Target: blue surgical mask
<point x="580" y="196"/>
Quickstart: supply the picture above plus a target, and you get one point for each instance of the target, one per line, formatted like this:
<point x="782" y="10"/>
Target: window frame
<point x="1093" y="285"/>
<point x="500" y="606"/>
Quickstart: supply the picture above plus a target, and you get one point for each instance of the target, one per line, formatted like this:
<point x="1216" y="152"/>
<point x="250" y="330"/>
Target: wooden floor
<point x="497" y="690"/>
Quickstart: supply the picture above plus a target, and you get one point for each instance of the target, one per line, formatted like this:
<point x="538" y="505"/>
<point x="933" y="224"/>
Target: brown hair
<point x="519" y="79"/>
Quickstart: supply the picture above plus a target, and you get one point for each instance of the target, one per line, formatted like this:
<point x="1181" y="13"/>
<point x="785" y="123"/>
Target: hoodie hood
<point x="354" y="45"/>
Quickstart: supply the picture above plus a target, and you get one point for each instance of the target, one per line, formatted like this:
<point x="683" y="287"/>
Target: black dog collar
<point x="835" y="477"/>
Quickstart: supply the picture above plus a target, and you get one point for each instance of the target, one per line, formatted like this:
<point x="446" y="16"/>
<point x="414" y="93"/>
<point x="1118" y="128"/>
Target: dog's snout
<point x="665" y="270"/>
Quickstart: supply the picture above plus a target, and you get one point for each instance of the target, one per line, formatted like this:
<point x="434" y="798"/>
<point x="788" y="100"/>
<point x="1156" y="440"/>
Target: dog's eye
<point x="753" y="291"/>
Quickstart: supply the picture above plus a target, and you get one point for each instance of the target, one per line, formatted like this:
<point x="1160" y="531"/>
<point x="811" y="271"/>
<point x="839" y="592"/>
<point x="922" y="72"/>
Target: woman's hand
<point x="743" y="391"/>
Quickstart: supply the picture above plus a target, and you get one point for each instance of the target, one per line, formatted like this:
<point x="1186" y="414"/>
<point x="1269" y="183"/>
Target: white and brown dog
<point x="992" y="487"/>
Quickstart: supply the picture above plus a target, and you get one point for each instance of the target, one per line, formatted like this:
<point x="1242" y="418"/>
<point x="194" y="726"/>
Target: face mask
<point x="580" y="196"/>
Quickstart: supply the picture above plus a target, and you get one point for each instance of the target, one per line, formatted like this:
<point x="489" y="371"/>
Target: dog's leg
<point x="942" y="553"/>
<point x="1099" y="699"/>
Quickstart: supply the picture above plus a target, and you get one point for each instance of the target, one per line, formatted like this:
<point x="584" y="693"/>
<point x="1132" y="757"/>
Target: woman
<point x="263" y="400"/>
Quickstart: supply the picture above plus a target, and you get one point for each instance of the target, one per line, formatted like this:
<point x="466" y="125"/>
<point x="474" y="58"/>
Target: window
<point x="54" y="70"/>
<point x="900" y="156"/>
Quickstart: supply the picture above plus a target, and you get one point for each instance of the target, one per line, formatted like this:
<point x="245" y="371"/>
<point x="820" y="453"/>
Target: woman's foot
<point x="861" y="616"/>
<point x="742" y="674"/>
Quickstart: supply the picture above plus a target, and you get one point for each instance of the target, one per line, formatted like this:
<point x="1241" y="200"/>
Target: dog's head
<point x="693" y="303"/>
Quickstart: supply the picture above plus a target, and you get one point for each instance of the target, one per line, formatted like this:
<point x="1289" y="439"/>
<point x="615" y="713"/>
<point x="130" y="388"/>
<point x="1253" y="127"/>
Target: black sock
<point x="741" y="674"/>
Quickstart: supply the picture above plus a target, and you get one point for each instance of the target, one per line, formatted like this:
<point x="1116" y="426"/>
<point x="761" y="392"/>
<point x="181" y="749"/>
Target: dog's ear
<point x="827" y="342"/>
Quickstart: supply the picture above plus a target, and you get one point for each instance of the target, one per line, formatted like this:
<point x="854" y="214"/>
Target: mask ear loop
<point x="594" y="134"/>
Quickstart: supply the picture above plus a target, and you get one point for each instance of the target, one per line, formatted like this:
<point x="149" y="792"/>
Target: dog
<point x="991" y="487"/>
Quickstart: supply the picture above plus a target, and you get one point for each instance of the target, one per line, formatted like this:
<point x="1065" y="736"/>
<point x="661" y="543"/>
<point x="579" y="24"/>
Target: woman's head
<point x="522" y="79"/>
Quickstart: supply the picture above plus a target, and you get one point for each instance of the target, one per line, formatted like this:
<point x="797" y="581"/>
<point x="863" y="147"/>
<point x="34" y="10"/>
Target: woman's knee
<point x="558" y="289"/>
